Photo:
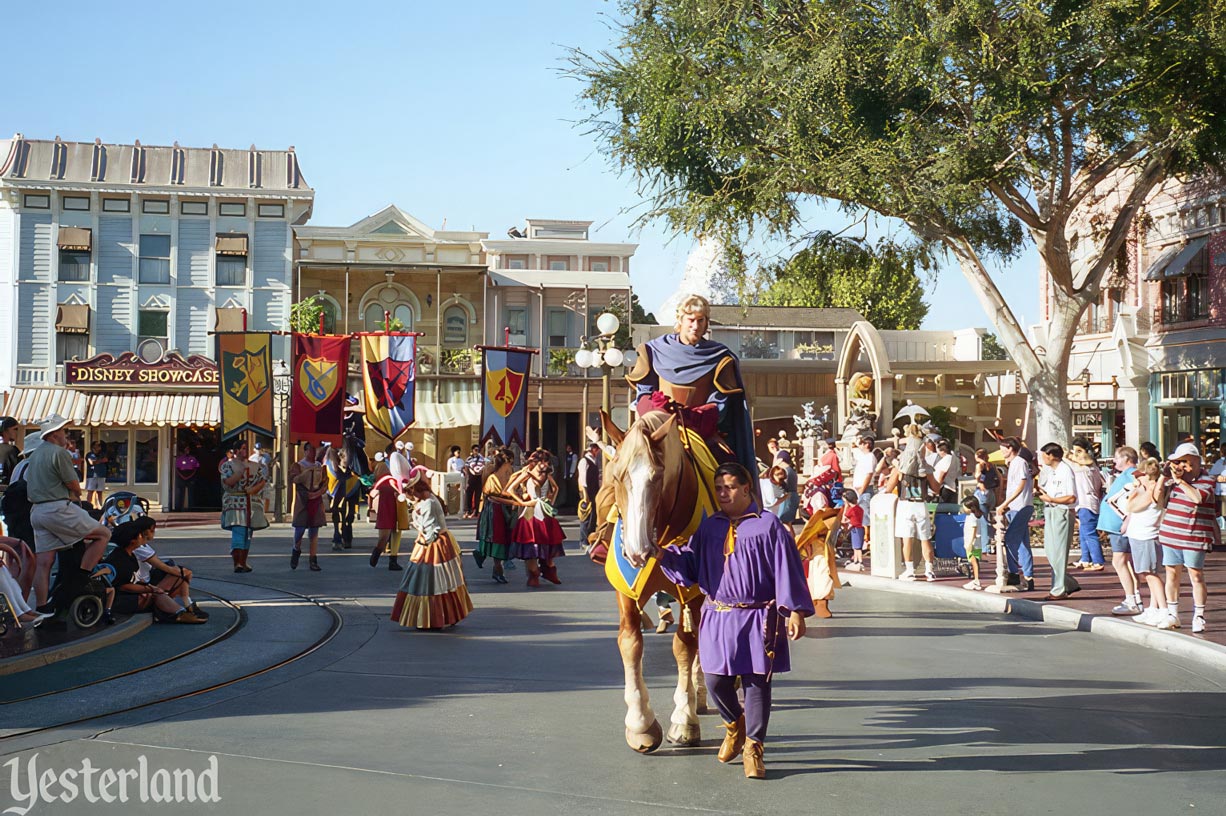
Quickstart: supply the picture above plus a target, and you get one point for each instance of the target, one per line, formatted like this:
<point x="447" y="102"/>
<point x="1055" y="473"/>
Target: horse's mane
<point x="637" y="442"/>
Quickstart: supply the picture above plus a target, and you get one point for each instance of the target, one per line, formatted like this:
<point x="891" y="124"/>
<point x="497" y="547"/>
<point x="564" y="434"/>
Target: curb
<point x="53" y="654"/>
<point x="1063" y="617"/>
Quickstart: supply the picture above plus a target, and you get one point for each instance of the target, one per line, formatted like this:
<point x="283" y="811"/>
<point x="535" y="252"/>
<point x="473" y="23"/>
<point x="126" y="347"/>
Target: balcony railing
<point x="32" y="375"/>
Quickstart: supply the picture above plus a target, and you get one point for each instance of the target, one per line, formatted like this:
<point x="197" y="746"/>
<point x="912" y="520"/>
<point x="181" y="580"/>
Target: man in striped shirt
<point x="1188" y="527"/>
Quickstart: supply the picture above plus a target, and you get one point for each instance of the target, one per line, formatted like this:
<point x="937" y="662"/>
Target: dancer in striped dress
<point x="433" y="594"/>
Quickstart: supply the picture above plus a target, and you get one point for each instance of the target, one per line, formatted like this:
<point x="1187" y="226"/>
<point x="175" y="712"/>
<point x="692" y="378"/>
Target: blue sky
<point x="454" y="111"/>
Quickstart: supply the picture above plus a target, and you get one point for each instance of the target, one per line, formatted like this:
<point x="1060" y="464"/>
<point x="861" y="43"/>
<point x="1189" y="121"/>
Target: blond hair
<point x="1151" y="468"/>
<point x="692" y="303"/>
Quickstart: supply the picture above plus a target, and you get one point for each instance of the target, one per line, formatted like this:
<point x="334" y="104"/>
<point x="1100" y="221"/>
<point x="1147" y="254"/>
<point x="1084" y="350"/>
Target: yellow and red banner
<point x="389" y="374"/>
<point x="317" y="392"/>
<point x="244" y="360"/>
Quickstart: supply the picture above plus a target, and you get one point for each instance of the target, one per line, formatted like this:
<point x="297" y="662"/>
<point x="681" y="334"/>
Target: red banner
<point x="317" y="394"/>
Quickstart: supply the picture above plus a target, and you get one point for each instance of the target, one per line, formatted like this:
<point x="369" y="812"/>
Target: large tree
<point x="981" y="124"/>
<point x="881" y="282"/>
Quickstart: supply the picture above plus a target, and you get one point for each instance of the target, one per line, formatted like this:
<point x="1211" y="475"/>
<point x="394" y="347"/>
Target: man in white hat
<point x="1188" y="529"/>
<point x="54" y="489"/>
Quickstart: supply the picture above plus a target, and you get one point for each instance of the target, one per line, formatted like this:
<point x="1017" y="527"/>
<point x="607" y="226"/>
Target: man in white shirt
<point x="944" y="479"/>
<point x="865" y="468"/>
<point x="1058" y="490"/>
<point x="1015" y="511"/>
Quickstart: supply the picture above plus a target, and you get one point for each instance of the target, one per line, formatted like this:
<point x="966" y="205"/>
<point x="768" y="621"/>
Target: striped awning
<point x="154" y="409"/>
<point x="438" y="415"/>
<point x="29" y="406"/>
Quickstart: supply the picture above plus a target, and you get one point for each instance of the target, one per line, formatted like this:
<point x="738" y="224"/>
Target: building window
<point x="146" y="448"/>
<point x="1186" y="297"/>
<point x="155" y="206"/>
<point x="455" y="326"/>
<point x="77" y="203"/>
<point x="557" y="266"/>
<point x="115" y="448"/>
<point x="231" y="208"/>
<point x="194" y="208"/>
<point x="74" y="265"/>
<point x="271" y="210"/>
<point x="557" y="328"/>
<point x="71" y="346"/>
<point x="116" y="205"/>
<point x="332" y="315"/>
<point x="517" y="322"/>
<point x="154" y="259"/>
<point x="375" y="316"/>
<point x="516" y="263"/>
<point x="600" y="266"/>
<point x="231" y="270"/>
<point x="152" y="324"/>
<point x="37" y="202"/>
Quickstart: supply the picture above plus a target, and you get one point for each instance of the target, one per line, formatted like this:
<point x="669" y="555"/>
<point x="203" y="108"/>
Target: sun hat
<point x="417" y="474"/>
<point x="1184" y="451"/>
<point x="51" y="424"/>
<point x="33" y="441"/>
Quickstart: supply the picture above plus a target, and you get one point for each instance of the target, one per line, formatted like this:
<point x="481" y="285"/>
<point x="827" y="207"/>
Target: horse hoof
<point x="647" y="741"/>
<point x="684" y="734"/>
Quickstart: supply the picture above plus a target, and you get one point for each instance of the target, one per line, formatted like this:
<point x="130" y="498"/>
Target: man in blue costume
<point x="701" y="376"/>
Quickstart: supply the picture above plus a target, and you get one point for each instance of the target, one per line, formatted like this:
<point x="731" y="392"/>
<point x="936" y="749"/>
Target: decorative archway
<point x="864" y="337"/>
<point x="457" y="315"/>
<point x="391" y="297"/>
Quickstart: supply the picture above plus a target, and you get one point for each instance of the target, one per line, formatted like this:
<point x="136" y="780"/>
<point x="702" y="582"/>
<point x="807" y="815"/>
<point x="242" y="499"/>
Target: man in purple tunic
<point x="746" y="563"/>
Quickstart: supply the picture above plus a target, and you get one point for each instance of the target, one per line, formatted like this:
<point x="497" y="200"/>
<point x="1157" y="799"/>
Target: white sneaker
<point x="929" y="575"/>
<point x="1167" y="621"/>
<point x="1126" y="608"/>
<point x="1198" y="624"/>
<point x="908" y="574"/>
<point x="972" y="585"/>
<point x="1148" y="617"/>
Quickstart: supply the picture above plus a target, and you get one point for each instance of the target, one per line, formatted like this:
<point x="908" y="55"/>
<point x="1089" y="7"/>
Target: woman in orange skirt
<point x="433" y="594"/>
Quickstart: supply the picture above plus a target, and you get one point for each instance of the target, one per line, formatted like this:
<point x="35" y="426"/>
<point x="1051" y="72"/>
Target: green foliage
<point x="942" y="419"/>
<point x="304" y="315"/>
<point x="560" y="360"/>
<point x="992" y="349"/>
<point x="881" y="282"/>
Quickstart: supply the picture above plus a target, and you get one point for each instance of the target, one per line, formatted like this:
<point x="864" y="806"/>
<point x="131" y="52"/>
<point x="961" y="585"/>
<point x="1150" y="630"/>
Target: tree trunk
<point x="1049" y="401"/>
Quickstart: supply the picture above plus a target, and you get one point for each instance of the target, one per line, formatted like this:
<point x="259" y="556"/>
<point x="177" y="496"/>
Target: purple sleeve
<point x="791" y="588"/>
<point x="681" y="565"/>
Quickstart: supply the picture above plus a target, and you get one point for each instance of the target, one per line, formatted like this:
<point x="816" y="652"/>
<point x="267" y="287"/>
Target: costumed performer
<point x="496" y="515"/>
<point x="242" y="511"/>
<point x="746" y="563"/>
<point x="537" y="536"/>
<point x="433" y="594"/>
<point x="701" y="375"/>
<point x="392" y="514"/>
<point x="309" y="478"/>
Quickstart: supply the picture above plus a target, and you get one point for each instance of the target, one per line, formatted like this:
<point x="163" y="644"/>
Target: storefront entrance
<point x="1201" y="423"/>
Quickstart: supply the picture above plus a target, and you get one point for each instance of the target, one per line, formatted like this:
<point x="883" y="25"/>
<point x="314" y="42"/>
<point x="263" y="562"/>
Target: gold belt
<point x="721" y="606"/>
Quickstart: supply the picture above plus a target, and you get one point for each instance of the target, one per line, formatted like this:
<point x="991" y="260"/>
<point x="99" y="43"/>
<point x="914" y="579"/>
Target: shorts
<point x="1146" y="554"/>
<point x="1175" y="557"/>
<point x="911" y="520"/>
<point x="95" y="484"/>
<point x="60" y="524"/>
<point x="857" y="538"/>
<point x="1119" y="543"/>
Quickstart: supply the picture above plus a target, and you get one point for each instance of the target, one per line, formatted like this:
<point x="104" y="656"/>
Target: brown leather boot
<point x="666" y="618"/>
<point x="534" y="579"/>
<point x="755" y="768"/>
<point x="734" y="740"/>
<point x="550" y="574"/>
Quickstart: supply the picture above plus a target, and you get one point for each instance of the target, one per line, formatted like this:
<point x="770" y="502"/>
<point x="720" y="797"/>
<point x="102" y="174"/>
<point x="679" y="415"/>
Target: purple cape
<point x="764" y="566"/>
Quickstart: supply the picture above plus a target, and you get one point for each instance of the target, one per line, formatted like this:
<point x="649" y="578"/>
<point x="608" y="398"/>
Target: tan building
<point x="391" y="265"/>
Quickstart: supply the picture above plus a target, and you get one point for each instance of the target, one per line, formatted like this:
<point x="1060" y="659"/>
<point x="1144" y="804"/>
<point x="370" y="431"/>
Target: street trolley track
<point x="333" y="630"/>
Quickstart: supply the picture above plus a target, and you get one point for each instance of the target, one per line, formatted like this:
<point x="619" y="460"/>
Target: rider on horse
<point x="703" y="378"/>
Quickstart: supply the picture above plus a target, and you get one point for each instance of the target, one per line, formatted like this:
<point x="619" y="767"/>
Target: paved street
<point x="899" y="704"/>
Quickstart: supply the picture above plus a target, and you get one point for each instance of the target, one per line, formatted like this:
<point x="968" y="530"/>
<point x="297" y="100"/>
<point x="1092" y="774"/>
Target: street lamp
<point x="282" y="378"/>
<point x="606" y="355"/>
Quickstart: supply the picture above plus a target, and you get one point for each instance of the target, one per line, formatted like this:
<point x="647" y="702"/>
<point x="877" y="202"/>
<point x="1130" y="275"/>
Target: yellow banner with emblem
<point x="245" y="363"/>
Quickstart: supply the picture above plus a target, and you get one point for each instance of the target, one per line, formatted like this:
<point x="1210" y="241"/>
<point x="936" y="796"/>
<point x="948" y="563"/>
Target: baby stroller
<point x="123" y="506"/>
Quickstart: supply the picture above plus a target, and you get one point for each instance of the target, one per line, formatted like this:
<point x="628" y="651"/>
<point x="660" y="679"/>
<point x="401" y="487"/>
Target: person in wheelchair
<point x="132" y="595"/>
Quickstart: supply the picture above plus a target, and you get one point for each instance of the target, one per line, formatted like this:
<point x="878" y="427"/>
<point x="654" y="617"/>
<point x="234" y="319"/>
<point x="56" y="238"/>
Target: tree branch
<point x="1016" y="203"/>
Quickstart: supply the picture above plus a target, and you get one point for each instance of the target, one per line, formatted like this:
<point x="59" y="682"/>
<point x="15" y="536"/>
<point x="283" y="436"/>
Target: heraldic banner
<point x="245" y="363"/>
<point x="389" y="372"/>
<point x="317" y="395"/>
<point x="504" y="409"/>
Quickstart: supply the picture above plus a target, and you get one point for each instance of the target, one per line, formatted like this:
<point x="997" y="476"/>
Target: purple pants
<point x="757" y="709"/>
